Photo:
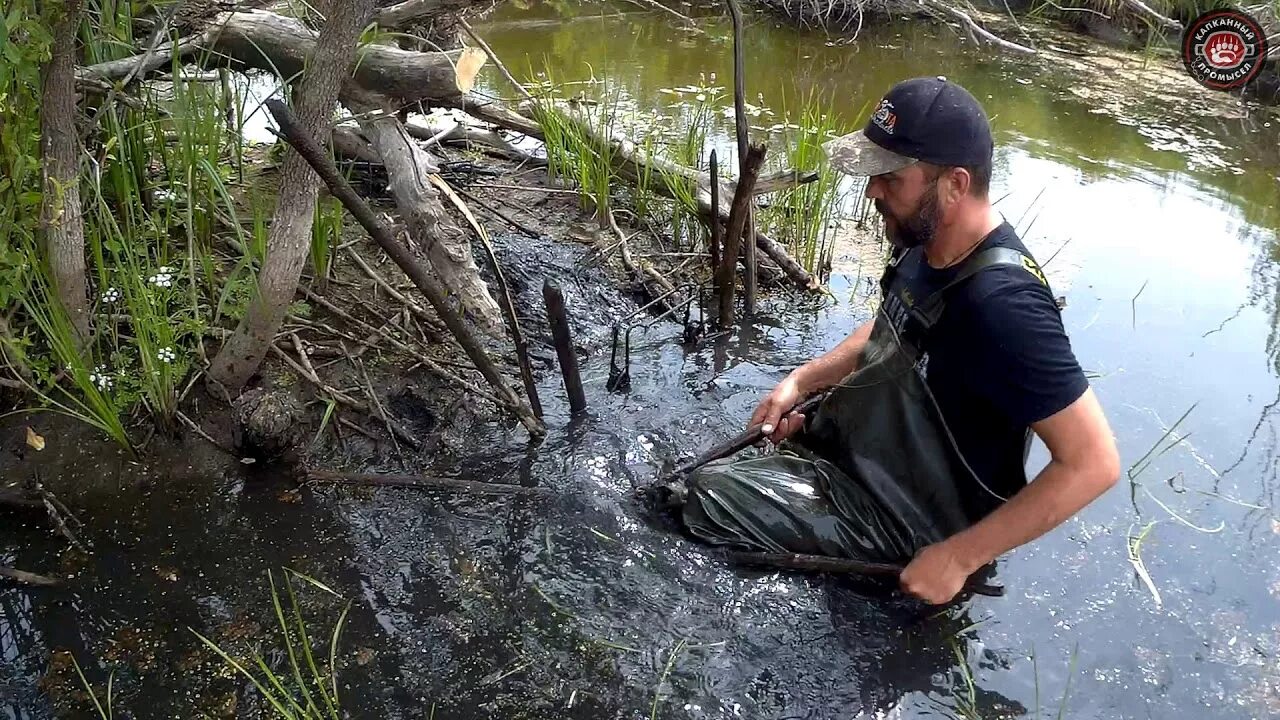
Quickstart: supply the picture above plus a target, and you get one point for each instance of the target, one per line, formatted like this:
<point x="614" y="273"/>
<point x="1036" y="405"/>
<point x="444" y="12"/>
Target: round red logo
<point x="1224" y="49"/>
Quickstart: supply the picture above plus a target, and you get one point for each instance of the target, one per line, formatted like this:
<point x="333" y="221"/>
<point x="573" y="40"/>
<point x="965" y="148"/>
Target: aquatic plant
<point x="304" y="690"/>
<point x="326" y="235"/>
<point x="570" y="129"/>
<point x="694" y="122"/>
<point x="102" y="707"/>
<point x="802" y="217"/>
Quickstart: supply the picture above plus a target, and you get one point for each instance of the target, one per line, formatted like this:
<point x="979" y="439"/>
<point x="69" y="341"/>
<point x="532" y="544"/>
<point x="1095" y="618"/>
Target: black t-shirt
<point x="997" y="361"/>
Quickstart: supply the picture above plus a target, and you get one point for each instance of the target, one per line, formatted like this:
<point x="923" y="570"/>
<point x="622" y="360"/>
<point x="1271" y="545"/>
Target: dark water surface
<point x="1164" y="222"/>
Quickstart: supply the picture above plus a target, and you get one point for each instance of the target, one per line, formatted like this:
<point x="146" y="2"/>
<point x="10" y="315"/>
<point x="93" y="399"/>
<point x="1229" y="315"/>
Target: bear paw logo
<point x="1224" y="50"/>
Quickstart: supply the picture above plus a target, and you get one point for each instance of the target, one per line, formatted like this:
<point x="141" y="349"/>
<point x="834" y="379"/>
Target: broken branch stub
<point x="319" y="160"/>
<point x="738" y="213"/>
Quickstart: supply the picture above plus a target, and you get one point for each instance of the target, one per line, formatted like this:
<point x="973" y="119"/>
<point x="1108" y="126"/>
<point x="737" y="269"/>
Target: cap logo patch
<point x="885" y="119"/>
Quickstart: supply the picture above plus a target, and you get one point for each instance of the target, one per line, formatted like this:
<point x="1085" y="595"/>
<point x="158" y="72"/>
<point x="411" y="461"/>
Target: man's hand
<point x="774" y="411"/>
<point x="936" y="574"/>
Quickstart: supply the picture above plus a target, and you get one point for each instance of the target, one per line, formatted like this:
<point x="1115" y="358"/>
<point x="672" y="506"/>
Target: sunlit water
<point x="1162" y="226"/>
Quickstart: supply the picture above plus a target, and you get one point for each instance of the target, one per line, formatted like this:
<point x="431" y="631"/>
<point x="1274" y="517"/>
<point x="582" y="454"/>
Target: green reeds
<point x="801" y="217"/>
<point x="305" y="689"/>
<point x="578" y="141"/>
<point x="104" y="711"/>
<point x="326" y="236"/>
<point x="96" y="400"/>
<point x="695" y="121"/>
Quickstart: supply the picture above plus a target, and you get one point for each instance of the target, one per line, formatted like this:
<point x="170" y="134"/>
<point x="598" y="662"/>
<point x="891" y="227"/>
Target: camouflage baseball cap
<point x="928" y="119"/>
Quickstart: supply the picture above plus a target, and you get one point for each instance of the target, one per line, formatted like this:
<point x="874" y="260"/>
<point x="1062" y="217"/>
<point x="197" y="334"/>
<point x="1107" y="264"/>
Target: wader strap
<point x="928" y="312"/>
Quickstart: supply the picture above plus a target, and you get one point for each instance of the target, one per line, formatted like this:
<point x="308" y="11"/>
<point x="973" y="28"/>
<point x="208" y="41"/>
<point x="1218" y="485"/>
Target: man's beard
<point x="919" y="228"/>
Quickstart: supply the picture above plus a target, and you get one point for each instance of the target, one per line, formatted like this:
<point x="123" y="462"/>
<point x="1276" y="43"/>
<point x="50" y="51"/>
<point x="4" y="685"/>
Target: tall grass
<point x="306" y="689"/>
<point x="326" y="236"/>
<point x="573" y="152"/>
<point x="802" y="217"/>
<point x="94" y="397"/>
<point x="696" y="120"/>
<point x="156" y="199"/>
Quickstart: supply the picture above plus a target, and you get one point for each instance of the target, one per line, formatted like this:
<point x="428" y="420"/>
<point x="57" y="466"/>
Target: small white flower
<point x="701" y="97"/>
<point x="166" y="270"/>
<point x="102" y="378"/>
<point x="713" y="77"/>
<point x="162" y="279"/>
<point x="166" y="355"/>
<point x="111" y="295"/>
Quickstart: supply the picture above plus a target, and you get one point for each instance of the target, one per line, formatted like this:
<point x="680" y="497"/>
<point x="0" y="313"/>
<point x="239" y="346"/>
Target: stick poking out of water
<point x="28" y="578"/>
<point x="844" y="566"/>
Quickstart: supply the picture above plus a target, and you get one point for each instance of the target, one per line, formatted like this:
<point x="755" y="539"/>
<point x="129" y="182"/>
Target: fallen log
<point x="409" y="168"/>
<point x="319" y="160"/>
<point x="331" y="477"/>
<point x="264" y="40"/>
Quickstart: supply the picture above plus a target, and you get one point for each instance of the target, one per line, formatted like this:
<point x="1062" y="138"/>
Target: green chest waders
<point x="876" y="476"/>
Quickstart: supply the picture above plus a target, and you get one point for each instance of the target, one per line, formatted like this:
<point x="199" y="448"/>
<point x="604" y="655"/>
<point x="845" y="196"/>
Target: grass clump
<point x="306" y="688"/>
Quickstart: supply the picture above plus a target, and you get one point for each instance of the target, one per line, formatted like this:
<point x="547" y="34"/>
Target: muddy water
<point x="1162" y="223"/>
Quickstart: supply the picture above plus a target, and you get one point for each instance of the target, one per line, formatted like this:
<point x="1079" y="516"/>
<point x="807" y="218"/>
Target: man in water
<point x="932" y="466"/>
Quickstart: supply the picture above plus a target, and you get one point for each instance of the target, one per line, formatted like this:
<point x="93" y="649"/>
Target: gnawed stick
<point x="59" y="514"/>
<point x="419" y="481"/>
<point x="738" y="214"/>
<point x="643" y="271"/>
<point x="525" y="229"/>
<point x="195" y="428"/>
<point x="508" y="307"/>
<point x="309" y="149"/>
<point x="842" y="566"/>
<point x="414" y="308"/>
<point x="28" y="578"/>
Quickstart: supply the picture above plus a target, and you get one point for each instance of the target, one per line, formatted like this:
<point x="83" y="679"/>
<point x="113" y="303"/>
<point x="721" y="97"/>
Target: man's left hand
<point x="936" y="574"/>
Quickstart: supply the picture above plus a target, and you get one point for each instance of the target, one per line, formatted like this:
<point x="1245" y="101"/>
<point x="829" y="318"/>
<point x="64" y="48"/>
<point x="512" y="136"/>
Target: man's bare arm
<point x="818" y="374"/>
<point x="830" y="368"/>
<point x="1085" y="463"/>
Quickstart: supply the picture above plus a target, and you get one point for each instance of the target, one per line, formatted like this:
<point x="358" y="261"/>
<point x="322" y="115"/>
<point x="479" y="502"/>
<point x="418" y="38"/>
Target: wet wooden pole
<point x="740" y="126"/>
<point x="738" y="213"/>
<point x="559" y="321"/>
<point x="715" y="219"/>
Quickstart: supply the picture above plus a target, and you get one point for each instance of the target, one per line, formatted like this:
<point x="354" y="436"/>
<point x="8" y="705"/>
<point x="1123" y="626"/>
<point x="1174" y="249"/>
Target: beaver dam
<point x="187" y="532"/>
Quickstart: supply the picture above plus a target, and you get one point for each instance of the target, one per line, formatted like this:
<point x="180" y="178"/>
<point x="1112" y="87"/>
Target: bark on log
<point x="290" y="238"/>
<point x="447" y="249"/>
<point x="740" y="131"/>
<point x="264" y="40"/>
<point x="60" y="212"/>
<point x="404" y="75"/>
<point x="307" y="145"/>
<point x="561" y="336"/>
<point x="631" y="163"/>
<point x="401" y="14"/>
